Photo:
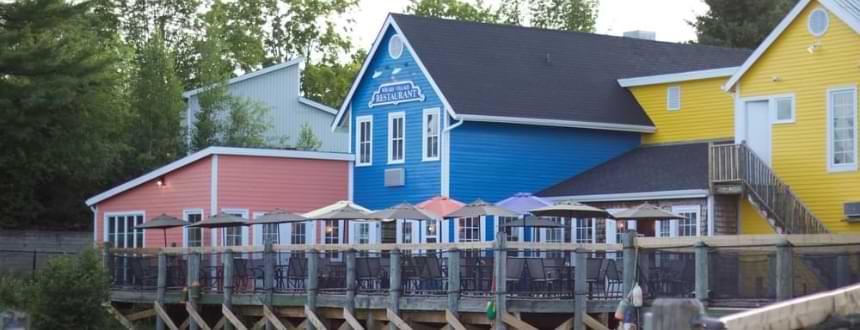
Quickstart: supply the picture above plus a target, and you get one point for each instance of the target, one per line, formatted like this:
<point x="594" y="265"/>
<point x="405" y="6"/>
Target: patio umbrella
<point x="221" y="220"/>
<point x="405" y="211"/>
<point x="531" y="221"/>
<point x="571" y="209"/>
<point x="162" y="222"/>
<point x="441" y="205"/>
<point x="646" y="211"/>
<point x="480" y="208"/>
<point x="523" y="202"/>
<point x="342" y="210"/>
<point x="277" y="217"/>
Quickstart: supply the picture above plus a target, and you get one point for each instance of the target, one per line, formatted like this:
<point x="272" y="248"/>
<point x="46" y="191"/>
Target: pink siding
<point x="261" y="184"/>
<point x="185" y="188"/>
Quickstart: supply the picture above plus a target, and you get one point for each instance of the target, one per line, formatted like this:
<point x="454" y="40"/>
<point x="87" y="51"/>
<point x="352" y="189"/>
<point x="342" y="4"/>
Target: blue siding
<point x="451" y="230"/>
<point x="492" y="161"/>
<point x="489" y="228"/>
<point x="422" y="178"/>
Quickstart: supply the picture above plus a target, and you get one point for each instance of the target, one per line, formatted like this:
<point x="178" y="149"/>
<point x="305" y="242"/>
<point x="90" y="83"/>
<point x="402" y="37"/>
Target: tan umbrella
<point x="405" y="211"/>
<point x="343" y="210"/>
<point x="480" y="208"/>
<point x="646" y="212"/>
<point x="571" y="209"/>
<point x="221" y="220"/>
<point x="278" y="216"/>
<point x="162" y="222"/>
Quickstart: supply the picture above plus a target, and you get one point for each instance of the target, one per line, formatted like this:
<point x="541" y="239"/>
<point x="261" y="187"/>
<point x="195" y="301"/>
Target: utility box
<point x="395" y="177"/>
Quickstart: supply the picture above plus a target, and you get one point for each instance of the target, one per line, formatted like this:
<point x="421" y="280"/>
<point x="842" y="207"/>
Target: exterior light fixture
<point x="161" y="181"/>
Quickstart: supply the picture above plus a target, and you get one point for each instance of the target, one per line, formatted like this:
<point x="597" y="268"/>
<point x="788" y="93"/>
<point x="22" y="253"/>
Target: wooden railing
<point x="736" y="163"/>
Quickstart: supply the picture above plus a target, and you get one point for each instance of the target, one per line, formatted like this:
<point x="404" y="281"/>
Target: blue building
<point x="471" y="110"/>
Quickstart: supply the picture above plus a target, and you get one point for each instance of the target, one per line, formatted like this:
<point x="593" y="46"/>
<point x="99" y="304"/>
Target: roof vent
<point x="639" y="34"/>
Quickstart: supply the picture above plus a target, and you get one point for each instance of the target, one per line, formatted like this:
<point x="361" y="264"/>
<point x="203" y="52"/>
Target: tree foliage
<point x="307" y="140"/>
<point x="453" y="9"/>
<point x="739" y="24"/>
<point x="567" y="15"/>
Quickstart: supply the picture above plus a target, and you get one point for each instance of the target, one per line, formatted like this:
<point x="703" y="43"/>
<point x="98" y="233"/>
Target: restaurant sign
<point x="396" y="93"/>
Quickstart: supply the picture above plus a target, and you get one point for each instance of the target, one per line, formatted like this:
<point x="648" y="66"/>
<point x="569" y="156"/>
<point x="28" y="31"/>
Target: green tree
<point x="307" y="140"/>
<point x="246" y="124"/>
<point x="157" y="107"/>
<point x="329" y="81"/>
<point x="739" y="24"/>
<point x="453" y="9"/>
<point x="68" y="293"/>
<point x="63" y="95"/>
<point x="567" y="15"/>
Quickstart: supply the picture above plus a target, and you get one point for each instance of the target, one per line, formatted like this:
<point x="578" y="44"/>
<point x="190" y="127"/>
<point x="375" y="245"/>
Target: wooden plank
<point x="351" y="320"/>
<point x="398" y="322"/>
<point x="592" y="323"/>
<point x="164" y="317"/>
<point x="453" y="321"/>
<point x="232" y="318"/>
<point x="192" y="313"/>
<point x="516" y="323"/>
<point x="798" y="313"/>
<point x="118" y="316"/>
<point x="344" y="326"/>
<point x="185" y="324"/>
<point x="566" y="325"/>
<point x="261" y="324"/>
<point x="313" y="319"/>
<point x="141" y="315"/>
<point x="276" y="322"/>
<point x="220" y="324"/>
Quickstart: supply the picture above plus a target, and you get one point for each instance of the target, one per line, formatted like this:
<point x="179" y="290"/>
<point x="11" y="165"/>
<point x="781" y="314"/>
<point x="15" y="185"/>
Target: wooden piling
<point x="350" y="282"/>
<point x="193" y="283"/>
<point x="843" y="271"/>
<point x="394" y="286"/>
<point x="784" y="271"/>
<point x="581" y="288"/>
<point x="312" y="284"/>
<point x="677" y="314"/>
<point x="454" y="282"/>
<point x="702" y="279"/>
<point x="269" y="277"/>
<point x="628" y="241"/>
<point x="161" y="283"/>
<point x="500" y="263"/>
<point x="228" y="284"/>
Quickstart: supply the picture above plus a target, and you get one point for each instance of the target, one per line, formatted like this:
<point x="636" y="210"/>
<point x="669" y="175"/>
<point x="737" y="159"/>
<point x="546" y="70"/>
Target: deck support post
<point x="580" y="290"/>
<point x="394" y="286"/>
<point x="228" y="284"/>
<point x="499" y="264"/>
<point x="454" y="282"/>
<point x="628" y="241"/>
<point x="673" y="314"/>
<point x="702" y="279"/>
<point x="269" y="277"/>
<point x="350" y="281"/>
<point x="193" y="283"/>
<point x="784" y="271"/>
<point x="843" y="271"/>
<point x="108" y="259"/>
<point x="161" y="284"/>
<point x="312" y="284"/>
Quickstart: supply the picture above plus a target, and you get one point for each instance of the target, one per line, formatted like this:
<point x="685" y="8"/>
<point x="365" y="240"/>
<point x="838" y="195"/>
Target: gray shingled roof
<point x="644" y="169"/>
<point x="503" y="70"/>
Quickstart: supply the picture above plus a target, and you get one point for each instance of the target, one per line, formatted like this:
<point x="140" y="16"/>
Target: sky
<point x="668" y="18"/>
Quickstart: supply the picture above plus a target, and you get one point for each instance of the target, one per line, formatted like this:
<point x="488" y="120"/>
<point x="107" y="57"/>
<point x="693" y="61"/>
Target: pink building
<point x="241" y="181"/>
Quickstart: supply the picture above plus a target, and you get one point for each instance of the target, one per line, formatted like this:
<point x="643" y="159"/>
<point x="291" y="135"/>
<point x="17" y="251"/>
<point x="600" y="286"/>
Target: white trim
<point x="445" y="180"/>
<point x="317" y="105"/>
<point x="669" y="105"/>
<point x="95" y="211"/>
<point x="653" y="195"/>
<point x="676" y="77"/>
<point x="774" y="113"/>
<point x="213" y="198"/>
<point x="389" y="22"/>
<point x="244" y="233"/>
<point x="212" y="151"/>
<point x="831" y="5"/>
<point x="697" y="209"/>
<point x="559" y="123"/>
<point x="745" y="101"/>
<point x="809" y="22"/>
<point x="249" y="75"/>
<point x="358" y="121"/>
<point x="833" y="168"/>
<point x="185" y="214"/>
<point x="106" y="215"/>
<point x="428" y="112"/>
<point x="711" y="214"/>
<point x="391" y="117"/>
<point x="399" y="53"/>
<point x="350" y="190"/>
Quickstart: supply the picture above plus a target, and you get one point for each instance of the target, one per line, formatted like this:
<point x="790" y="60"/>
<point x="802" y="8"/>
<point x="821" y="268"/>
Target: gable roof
<point x="490" y="72"/>
<point x="230" y="151"/>
<point x="847" y="10"/>
<point x="646" y="169"/>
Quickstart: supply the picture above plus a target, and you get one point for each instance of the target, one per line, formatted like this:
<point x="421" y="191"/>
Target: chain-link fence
<point x="26" y="263"/>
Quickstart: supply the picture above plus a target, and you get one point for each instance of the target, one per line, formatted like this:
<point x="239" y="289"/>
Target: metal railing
<point x="736" y="163"/>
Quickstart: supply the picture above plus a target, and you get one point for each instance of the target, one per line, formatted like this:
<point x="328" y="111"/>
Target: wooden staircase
<point x="735" y="169"/>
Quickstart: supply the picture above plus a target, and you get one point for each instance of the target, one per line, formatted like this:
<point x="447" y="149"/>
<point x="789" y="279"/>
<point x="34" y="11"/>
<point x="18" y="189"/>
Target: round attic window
<point x="395" y="46"/>
<point x="819" y="21"/>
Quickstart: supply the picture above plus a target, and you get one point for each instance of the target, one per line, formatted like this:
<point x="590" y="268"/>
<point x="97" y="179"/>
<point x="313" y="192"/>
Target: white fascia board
<point x="317" y="105"/>
<point x="677" y="77"/>
<point x="637" y="196"/>
<point x="229" y="151"/>
<point x="771" y="38"/>
<point x="838" y="8"/>
<point x="249" y="75"/>
<point x="389" y="22"/>
<point x="559" y="123"/>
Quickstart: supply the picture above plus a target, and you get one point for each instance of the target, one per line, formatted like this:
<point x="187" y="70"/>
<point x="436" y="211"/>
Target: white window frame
<point x="424" y="136"/>
<point x="135" y="213"/>
<point x="243" y="230"/>
<point x="391" y="117"/>
<point x="185" y="214"/>
<point x="459" y="228"/>
<point x="340" y="224"/>
<point x="360" y="120"/>
<point x="809" y="22"/>
<point x="774" y="114"/>
<point x="669" y="98"/>
<point x="298" y="233"/>
<point x="592" y="223"/>
<point x="831" y="167"/>
<point x="697" y="209"/>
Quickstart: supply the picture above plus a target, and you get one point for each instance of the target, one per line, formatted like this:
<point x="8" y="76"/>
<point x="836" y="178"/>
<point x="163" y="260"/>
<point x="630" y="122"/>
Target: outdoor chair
<point x="614" y="281"/>
<point x="432" y="273"/>
<point x="297" y="273"/>
<point x="596" y="277"/>
<point x="537" y="275"/>
<point x="142" y="278"/>
<point x="515" y="273"/>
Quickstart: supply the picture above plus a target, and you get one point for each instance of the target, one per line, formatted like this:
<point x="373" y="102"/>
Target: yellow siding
<point x="799" y="151"/>
<point x="706" y="111"/>
<point x="751" y="222"/>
